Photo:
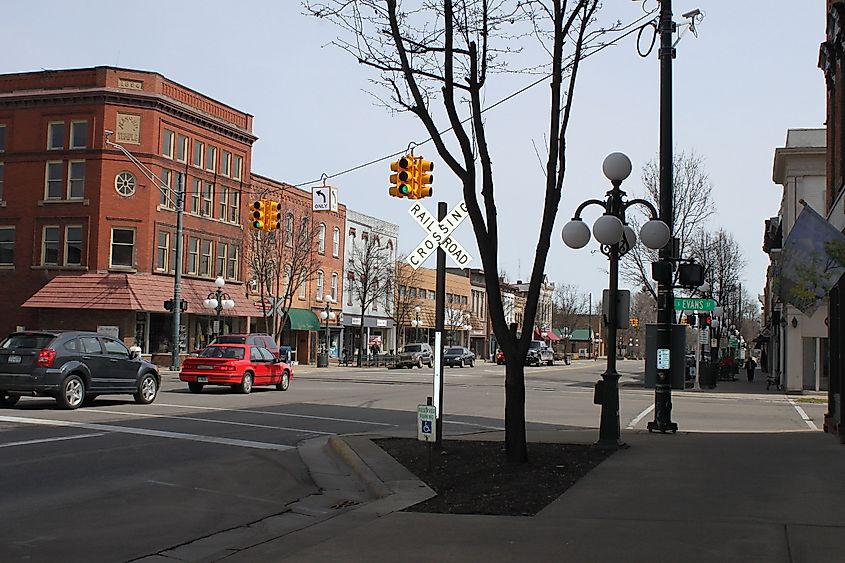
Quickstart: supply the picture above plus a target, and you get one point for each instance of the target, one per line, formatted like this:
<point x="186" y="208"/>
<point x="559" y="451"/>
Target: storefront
<point x="376" y="330"/>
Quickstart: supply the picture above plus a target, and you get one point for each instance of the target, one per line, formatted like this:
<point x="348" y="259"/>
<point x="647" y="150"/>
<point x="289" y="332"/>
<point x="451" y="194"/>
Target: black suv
<point x="72" y="366"/>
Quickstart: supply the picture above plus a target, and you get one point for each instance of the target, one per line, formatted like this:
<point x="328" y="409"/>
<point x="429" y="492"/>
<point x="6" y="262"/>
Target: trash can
<point x="567" y="359"/>
<point x="707" y="377"/>
<point x="322" y="359"/>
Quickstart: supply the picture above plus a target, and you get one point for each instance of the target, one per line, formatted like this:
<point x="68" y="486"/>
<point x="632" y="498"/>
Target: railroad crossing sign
<point x="439" y="234"/>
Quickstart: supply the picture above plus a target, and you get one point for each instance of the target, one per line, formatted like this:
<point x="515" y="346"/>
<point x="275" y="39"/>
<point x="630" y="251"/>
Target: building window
<point x="349" y="277"/>
<point x="320" y="281"/>
<point x="2" y="138"/>
<point x="73" y="245"/>
<point x="76" y="179"/>
<point x="234" y="206"/>
<point x="422" y="293"/>
<point x="193" y="254"/>
<point x="321" y="238"/>
<point x="334" y="286"/>
<point x="223" y="203"/>
<point x="289" y="229"/>
<point x="336" y="242"/>
<point x="205" y="260"/>
<point x="210" y="155"/>
<point x="78" y="134"/>
<point x="167" y="143"/>
<point x="237" y="167"/>
<point x="301" y="286"/>
<point x="220" y="264"/>
<point x="303" y="231"/>
<point x="50" y="246"/>
<point x="124" y="183"/>
<point x="122" y="248"/>
<point x="181" y="148"/>
<point x="165" y="198"/>
<point x="163" y="251"/>
<point x="56" y="136"/>
<point x="53" y="188"/>
<point x="232" y="272"/>
<point x="199" y="149"/>
<point x="2" y="183"/>
<point x="208" y="199"/>
<point x="196" y="194"/>
<point x="225" y="163"/>
<point x="7" y="246"/>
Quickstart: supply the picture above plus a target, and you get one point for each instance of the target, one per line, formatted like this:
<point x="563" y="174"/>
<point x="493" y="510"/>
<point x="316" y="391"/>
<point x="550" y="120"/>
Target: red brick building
<point x="304" y="330"/>
<point x="86" y="240"/>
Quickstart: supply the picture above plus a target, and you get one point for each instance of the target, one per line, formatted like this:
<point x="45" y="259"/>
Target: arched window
<point x="320" y="285"/>
<point x="321" y="238"/>
<point x="336" y="242"/>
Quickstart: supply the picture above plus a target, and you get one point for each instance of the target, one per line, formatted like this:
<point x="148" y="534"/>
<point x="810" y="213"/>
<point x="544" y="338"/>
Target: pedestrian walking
<point x="750" y="364"/>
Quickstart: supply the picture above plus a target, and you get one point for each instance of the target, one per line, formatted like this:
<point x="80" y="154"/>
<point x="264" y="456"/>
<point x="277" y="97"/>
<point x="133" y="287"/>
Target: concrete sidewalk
<point x="683" y="497"/>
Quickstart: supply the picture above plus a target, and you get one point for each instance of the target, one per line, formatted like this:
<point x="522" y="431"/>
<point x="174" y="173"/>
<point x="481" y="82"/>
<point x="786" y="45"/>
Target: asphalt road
<point x="117" y="481"/>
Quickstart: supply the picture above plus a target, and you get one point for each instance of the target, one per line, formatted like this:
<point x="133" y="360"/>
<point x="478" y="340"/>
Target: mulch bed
<point x="472" y="477"/>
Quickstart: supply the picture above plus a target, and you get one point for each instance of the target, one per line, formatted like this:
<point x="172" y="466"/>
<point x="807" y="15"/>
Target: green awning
<point x="581" y="335"/>
<point x="302" y="319"/>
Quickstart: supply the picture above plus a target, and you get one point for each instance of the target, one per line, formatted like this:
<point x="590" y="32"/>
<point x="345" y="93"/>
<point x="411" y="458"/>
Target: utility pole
<point x="439" y="318"/>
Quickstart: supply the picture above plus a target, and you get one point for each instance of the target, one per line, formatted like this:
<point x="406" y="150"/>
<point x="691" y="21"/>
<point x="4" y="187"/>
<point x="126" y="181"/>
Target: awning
<point x="581" y="335"/>
<point x="552" y="336"/>
<point x="302" y="319"/>
<point x="131" y="292"/>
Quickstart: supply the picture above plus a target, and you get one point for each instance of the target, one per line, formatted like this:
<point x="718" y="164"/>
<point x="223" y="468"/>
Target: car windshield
<point x="232" y="352"/>
<point x="536" y="344"/>
<point x="454" y="350"/>
<point x="27" y="341"/>
<point x="412" y="348"/>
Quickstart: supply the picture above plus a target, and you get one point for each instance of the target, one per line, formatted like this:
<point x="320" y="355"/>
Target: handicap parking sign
<point x="426" y="423"/>
<point x="426" y="427"/>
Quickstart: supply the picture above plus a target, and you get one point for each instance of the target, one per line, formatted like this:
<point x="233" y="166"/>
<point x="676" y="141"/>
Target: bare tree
<point x="371" y="275"/>
<point x="404" y="302"/>
<point x="568" y="303"/>
<point x="693" y="206"/>
<point x="449" y="50"/>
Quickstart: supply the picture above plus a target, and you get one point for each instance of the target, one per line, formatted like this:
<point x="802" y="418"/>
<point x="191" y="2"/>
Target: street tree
<point x="692" y="208"/>
<point x="371" y="275"/>
<point x="448" y="50"/>
<point x="405" y="301"/>
<point x="568" y="305"/>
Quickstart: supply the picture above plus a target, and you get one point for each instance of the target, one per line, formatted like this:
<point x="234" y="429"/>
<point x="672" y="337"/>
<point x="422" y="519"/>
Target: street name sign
<point x="426" y="423"/>
<point x="439" y="234"/>
<point x="694" y="304"/>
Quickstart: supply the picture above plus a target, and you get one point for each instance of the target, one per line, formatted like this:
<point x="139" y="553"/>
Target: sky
<point x="750" y="75"/>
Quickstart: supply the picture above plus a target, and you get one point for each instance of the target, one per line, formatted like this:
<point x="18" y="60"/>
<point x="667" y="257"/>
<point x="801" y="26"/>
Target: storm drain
<point x="344" y="504"/>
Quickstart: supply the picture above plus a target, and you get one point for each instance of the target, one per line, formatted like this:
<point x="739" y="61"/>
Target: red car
<point x="500" y="357"/>
<point x="240" y="366"/>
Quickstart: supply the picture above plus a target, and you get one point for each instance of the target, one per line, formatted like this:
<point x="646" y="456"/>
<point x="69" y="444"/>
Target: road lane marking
<point x="639" y="417"/>
<point x="314" y="417"/>
<point x="45" y="440"/>
<point x="803" y="414"/>
<point x="144" y="432"/>
<point x="212" y="421"/>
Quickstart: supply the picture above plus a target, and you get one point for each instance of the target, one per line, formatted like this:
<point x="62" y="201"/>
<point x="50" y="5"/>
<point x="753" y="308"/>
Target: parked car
<point x="539" y="353"/>
<point x="253" y="339"/>
<point x="458" y="356"/>
<point x="411" y="355"/>
<point x="500" y="357"/>
<point x="72" y="366"/>
<point x="241" y="366"/>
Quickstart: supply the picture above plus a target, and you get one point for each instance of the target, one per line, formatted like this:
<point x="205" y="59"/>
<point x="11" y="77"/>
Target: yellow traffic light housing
<point x="259" y="215"/>
<point x="424" y="178"/>
<point x="273" y="209"/>
<point x="403" y="180"/>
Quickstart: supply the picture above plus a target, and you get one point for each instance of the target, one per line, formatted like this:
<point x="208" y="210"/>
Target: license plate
<point x="13" y="359"/>
<point x="202" y="379"/>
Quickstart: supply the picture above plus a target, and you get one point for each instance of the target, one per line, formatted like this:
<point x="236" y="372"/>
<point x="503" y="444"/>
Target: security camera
<point x="109" y="132"/>
<point x="691" y="14"/>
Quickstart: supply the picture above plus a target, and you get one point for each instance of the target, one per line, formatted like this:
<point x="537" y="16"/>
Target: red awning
<point x="131" y="292"/>
<point x="550" y="335"/>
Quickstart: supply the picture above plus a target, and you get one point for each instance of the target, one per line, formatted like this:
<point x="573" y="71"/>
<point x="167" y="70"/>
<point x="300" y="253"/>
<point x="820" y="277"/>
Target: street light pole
<point x="218" y="300"/>
<point x="616" y="238"/>
<point x="327" y="315"/>
<point x="417" y="310"/>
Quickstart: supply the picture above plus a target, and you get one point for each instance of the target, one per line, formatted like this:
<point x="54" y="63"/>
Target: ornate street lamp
<point x="616" y="239"/>
<point x="417" y="323"/>
<point x="218" y="300"/>
<point x="327" y="315"/>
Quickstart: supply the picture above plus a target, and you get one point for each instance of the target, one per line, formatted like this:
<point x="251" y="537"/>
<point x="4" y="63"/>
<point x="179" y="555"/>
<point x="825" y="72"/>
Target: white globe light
<point x="219" y="282"/>
<point x="655" y="234"/>
<point x="704" y="288"/>
<point x="328" y="298"/>
<point x="228" y="304"/>
<point x="212" y="303"/>
<point x="717" y="310"/>
<point x="630" y="236"/>
<point x="714" y="324"/>
<point x="331" y="315"/>
<point x="616" y="166"/>
<point x="608" y="229"/>
<point x="575" y="234"/>
<point x="323" y="315"/>
<point x="417" y="309"/>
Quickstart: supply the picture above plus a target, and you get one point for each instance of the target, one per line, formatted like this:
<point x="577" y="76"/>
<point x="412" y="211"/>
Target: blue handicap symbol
<point x="426" y="427"/>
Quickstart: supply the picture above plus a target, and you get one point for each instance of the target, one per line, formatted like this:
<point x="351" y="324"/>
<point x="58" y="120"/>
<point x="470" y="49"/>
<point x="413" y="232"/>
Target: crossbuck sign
<point x="439" y="234"/>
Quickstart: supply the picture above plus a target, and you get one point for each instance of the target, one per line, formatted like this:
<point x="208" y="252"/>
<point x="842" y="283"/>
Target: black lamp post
<point x="616" y="239"/>
<point x="218" y="300"/>
<point x="417" y="323"/>
<point x="327" y="315"/>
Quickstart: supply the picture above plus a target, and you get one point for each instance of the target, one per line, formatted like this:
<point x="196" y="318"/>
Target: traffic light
<point x="635" y="322"/>
<point x="259" y="215"/>
<point x="424" y="178"/>
<point x="404" y="178"/>
<point x="707" y="320"/>
<point x="691" y="319"/>
<point x="274" y="215"/>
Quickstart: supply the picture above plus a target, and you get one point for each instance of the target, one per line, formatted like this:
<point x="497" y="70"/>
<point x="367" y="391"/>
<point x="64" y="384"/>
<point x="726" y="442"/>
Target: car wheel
<point x="147" y="389"/>
<point x="472" y="363"/>
<point x="195" y="387"/>
<point x="550" y="363"/>
<point x="8" y="401"/>
<point x="71" y="392"/>
<point x="430" y="364"/>
<point x="419" y="362"/>
<point x="246" y="384"/>
<point x="284" y="384"/>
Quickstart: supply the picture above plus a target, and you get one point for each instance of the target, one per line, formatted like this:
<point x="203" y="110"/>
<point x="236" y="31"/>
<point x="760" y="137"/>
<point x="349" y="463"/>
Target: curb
<point x="373" y="484"/>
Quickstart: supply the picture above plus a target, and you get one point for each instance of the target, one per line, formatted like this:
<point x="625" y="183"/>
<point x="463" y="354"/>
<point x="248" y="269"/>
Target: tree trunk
<point x="515" y="443"/>
<point x="361" y="343"/>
